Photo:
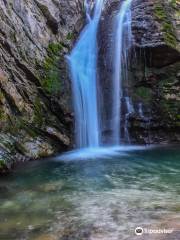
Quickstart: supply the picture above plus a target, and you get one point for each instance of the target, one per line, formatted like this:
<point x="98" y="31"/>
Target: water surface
<point x="92" y="199"/>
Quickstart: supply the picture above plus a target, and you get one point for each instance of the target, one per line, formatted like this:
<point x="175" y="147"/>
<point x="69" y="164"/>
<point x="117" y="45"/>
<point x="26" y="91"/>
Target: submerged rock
<point x="47" y="237"/>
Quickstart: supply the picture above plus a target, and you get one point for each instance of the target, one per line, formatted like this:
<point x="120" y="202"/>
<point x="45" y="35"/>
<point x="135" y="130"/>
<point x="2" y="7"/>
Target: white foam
<point x="101" y="152"/>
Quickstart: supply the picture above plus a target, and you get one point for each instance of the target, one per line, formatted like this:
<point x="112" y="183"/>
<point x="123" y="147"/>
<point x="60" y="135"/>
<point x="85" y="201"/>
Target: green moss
<point x="177" y="124"/>
<point x="173" y="3"/>
<point x="2" y="114"/>
<point x="17" y="124"/>
<point x="50" y="80"/>
<point x="170" y="108"/>
<point x="49" y="61"/>
<point x="1" y="96"/>
<point x="70" y="36"/>
<point x="167" y="26"/>
<point x="170" y="39"/>
<point x="166" y="83"/>
<point x="177" y="13"/>
<point x="144" y="93"/>
<point x="54" y="48"/>
<point x="176" y="208"/>
<point x="2" y="164"/>
<point x="160" y="12"/>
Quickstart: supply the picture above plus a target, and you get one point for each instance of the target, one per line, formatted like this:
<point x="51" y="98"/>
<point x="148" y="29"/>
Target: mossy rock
<point x="160" y="12"/>
<point x="70" y="36"/>
<point x="167" y="26"/>
<point x="54" y="48"/>
<point x="2" y="164"/>
<point x="173" y="3"/>
<point x="170" y="110"/>
<point x="1" y="96"/>
<point x="144" y="93"/>
<point x="50" y="80"/>
<point x="3" y="116"/>
<point x="178" y="117"/>
<point x="7" y="152"/>
<point x="18" y="124"/>
<point x="38" y="112"/>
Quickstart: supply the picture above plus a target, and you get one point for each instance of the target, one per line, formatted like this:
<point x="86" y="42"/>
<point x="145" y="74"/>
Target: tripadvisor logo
<point x="139" y="231"/>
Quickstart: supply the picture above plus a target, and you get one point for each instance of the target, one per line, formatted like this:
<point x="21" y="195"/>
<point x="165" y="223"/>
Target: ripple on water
<point x="92" y="200"/>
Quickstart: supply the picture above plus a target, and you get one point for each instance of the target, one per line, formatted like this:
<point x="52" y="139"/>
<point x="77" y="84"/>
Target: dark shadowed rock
<point x="155" y="62"/>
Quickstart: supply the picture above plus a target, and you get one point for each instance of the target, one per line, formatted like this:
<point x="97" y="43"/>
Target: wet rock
<point x="156" y="32"/>
<point x="51" y="187"/>
<point x="154" y="72"/>
<point x="35" y="93"/>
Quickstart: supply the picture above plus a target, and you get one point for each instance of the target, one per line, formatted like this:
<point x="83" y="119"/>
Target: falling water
<point x="129" y="111"/>
<point x="87" y="9"/>
<point x="140" y="110"/>
<point x="83" y="65"/>
<point x="123" y="38"/>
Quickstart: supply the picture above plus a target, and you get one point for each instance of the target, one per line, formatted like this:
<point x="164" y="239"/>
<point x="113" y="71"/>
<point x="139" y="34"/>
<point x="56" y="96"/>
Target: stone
<point x="36" y="120"/>
<point x="154" y="72"/>
<point x="46" y="237"/>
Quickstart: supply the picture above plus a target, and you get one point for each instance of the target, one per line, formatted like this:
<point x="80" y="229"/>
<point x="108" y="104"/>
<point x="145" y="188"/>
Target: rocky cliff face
<point x="156" y="71"/>
<point x="154" y="68"/>
<point x="35" y="36"/>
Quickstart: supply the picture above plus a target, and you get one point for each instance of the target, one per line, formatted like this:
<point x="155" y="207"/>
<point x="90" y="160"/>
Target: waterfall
<point x="140" y="110"/>
<point x="129" y="110"/>
<point x="123" y="38"/>
<point x="83" y="66"/>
